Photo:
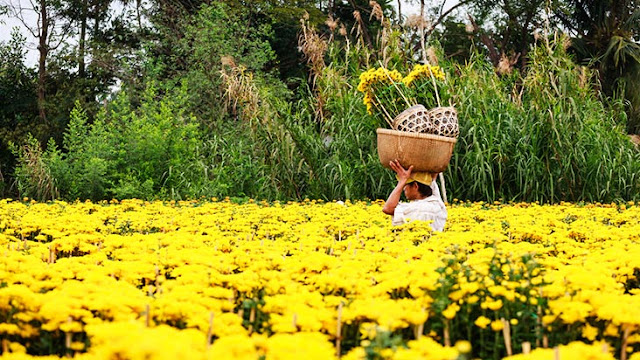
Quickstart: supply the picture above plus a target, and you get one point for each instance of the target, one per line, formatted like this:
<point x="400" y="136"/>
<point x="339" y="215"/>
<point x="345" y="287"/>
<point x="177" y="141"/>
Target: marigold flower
<point x="482" y="322"/>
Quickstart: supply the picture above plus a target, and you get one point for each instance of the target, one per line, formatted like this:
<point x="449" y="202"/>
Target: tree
<point x="283" y="17"/>
<point x="17" y="93"/>
<point x="105" y="41"/>
<point x="81" y="13"/>
<point x="51" y="28"/>
<point x="506" y="28"/>
<point x="18" y="101"/>
<point x="191" y="50"/>
<point x="605" y="36"/>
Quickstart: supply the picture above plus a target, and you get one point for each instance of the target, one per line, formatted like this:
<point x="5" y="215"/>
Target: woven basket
<point x="444" y="121"/>
<point x="426" y="152"/>
<point x="415" y="120"/>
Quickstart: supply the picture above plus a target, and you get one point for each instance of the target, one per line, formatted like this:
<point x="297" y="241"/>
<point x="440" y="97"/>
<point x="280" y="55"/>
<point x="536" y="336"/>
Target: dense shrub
<point x="145" y="152"/>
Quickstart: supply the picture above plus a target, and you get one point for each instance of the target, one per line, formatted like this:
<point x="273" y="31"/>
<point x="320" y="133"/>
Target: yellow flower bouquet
<point x="428" y="85"/>
<point x="422" y="133"/>
<point x="387" y="93"/>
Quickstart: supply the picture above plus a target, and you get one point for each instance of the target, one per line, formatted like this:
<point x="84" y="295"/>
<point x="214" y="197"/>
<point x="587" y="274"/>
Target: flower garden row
<point x="218" y="280"/>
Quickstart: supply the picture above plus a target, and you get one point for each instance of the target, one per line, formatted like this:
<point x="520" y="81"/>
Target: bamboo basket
<point x="444" y="121"/>
<point x="426" y="152"/>
<point x="415" y="119"/>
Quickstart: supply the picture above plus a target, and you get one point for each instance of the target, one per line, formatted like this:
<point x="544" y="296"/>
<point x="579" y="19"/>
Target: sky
<point x="8" y="23"/>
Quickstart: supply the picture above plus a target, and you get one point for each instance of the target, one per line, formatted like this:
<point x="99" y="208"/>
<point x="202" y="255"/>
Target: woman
<point x="424" y="198"/>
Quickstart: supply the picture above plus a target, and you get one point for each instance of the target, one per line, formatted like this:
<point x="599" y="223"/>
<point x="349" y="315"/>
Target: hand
<point x="403" y="174"/>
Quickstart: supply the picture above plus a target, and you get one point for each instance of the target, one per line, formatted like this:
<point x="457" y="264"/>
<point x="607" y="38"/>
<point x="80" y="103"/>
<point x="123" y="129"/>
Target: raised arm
<point x="394" y="198"/>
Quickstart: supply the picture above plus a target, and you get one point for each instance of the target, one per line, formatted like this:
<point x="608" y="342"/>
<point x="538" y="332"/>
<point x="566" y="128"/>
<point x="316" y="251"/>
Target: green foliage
<point x="210" y="118"/>
<point x="339" y="153"/>
<point x="82" y="171"/>
<point x="382" y="340"/>
<point x="630" y="87"/>
<point x="126" y="153"/>
<point x="502" y="269"/>
<point x="607" y="41"/>
<point x="33" y="173"/>
<point x="275" y="148"/>
<point x="541" y="137"/>
<point x="210" y="38"/>
<point x="17" y="84"/>
<point x="18" y="111"/>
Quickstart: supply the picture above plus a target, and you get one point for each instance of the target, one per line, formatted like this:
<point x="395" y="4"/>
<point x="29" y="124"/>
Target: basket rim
<point x="415" y="135"/>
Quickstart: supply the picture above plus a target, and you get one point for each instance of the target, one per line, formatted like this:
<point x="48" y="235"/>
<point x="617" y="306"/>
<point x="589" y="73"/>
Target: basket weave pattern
<point x="415" y="119"/>
<point x="420" y="137"/>
<point x="441" y="121"/>
<point x="444" y="121"/>
<point x="426" y="152"/>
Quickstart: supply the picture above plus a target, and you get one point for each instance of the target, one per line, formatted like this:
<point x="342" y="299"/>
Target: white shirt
<point x="428" y="209"/>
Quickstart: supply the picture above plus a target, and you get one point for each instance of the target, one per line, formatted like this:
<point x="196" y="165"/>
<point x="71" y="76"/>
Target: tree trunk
<point x="81" y="42"/>
<point x="138" y="14"/>
<point x="422" y="35"/>
<point x="494" y="56"/>
<point x="400" y="12"/>
<point x="43" y="48"/>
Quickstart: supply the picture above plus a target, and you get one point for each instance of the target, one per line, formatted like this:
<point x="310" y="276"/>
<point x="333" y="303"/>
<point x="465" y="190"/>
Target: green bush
<point x="143" y="153"/>
<point x="33" y="173"/>
<point x="216" y="37"/>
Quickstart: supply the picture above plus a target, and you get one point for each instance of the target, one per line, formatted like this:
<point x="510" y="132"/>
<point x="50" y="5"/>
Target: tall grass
<point x="33" y="175"/>
<point x="541" y="136"/>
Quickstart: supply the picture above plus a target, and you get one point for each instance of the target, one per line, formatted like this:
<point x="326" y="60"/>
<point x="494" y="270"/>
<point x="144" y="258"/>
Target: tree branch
<point x="487" y="41"/>
<point x="17" y="12"/>
<point x="446" y="13"/>
<point x="66" y="29"/>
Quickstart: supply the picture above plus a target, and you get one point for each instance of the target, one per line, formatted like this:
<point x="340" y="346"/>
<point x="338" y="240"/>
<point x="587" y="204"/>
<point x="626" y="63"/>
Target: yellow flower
<point x="497" y="325"/>
<point x="548" y="319"/>
<point x="235" y="270"/>
<point x="451" y="310"/>
<point x="492" y="304"/>
<point x="423" y="71"/>
<point x="463" y="346"/>
<point x="611" y="330"/>
<point x="482" y="322"/>
<point x="473" y="299"/>
<point x="589" y="332"/>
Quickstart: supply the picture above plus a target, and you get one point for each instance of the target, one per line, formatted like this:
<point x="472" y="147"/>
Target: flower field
<point x="316" y="280"/>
